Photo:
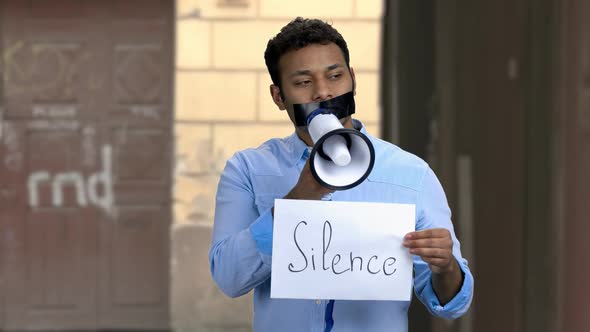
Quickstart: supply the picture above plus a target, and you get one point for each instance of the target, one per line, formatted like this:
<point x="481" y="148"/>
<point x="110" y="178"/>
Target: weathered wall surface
<point x="85" y="162"/>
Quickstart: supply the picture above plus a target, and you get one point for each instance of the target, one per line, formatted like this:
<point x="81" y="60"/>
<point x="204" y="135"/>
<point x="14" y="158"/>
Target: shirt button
<point x="318" y="302"/>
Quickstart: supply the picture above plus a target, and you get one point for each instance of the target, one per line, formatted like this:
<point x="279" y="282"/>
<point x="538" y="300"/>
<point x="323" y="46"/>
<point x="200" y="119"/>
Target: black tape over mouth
<point x="341" y="106"/>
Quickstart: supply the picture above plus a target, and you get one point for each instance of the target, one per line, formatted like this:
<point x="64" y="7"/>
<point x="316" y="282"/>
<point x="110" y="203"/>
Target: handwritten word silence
<point x="337" y="265"/>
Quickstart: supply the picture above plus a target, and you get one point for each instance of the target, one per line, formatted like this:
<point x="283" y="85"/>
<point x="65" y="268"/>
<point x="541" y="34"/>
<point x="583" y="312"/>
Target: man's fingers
<point x="429" y="243"/>
<point x="428" y="233"/>
<point x="433" y="246"/>
<point x="439" y="262"/>
<point x="427" y="253"/>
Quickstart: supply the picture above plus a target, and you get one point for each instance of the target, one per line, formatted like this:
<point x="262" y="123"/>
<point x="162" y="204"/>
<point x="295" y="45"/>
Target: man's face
<point x="312" y="74"/>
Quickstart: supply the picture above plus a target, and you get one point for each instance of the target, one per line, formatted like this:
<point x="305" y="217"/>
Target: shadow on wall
<point x="196" y="174"/>
<point x="197" y="304"/>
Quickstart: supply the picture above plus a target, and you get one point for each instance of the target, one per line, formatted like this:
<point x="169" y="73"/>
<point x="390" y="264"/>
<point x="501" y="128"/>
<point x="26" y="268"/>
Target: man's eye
<point x="335" y="76"/>
<point x="303" y="83"/>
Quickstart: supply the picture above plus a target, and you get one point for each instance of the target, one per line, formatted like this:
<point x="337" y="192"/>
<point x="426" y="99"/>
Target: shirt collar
<point x="298" y="149"/>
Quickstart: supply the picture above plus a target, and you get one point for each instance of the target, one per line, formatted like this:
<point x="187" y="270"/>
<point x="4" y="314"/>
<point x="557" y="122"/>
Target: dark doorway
<point x="481" y="76"/>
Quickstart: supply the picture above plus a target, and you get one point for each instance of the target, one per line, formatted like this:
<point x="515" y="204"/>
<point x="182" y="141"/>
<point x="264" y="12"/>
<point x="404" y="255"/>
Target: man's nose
<point x="322" y="91"/>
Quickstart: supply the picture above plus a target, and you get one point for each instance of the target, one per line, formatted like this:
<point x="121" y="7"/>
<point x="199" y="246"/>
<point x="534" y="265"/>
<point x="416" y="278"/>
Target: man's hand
<point x="307" y="187"/>
<point x="435" y="247"/>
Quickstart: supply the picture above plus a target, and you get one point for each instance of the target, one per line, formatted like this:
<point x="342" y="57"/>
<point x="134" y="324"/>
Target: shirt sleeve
<point x="236" y="259"/>
<point x="433" y="212"/>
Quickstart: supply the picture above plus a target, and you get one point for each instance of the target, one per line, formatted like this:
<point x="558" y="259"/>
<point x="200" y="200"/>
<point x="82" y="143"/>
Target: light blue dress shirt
<point x="241" y="248"/>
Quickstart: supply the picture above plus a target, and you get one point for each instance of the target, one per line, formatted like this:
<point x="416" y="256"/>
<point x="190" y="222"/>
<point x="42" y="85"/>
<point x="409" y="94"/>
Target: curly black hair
<point x="298" y="34"/>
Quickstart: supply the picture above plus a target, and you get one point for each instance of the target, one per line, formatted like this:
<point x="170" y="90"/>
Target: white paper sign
<point x="341" y="250"/>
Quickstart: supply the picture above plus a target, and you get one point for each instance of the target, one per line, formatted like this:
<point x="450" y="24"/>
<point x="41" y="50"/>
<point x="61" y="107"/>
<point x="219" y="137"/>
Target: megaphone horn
<point x="341" y="158"/>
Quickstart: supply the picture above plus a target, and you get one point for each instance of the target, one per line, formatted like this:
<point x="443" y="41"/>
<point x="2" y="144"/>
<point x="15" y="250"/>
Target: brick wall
<point x="223" y="105"/>
<point x="222" y="99"/>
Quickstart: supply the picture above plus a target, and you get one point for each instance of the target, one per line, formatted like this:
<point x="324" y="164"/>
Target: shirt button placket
<point x="319" y="324"/>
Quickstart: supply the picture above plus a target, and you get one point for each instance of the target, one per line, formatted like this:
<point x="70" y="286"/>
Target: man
<point x="308" y="61"/>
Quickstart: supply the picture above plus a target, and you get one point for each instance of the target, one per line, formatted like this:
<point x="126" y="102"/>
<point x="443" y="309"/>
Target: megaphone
<point x="341" y="158"/>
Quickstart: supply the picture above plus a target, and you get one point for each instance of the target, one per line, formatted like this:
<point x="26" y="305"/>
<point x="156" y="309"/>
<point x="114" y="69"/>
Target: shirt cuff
<point x="261" y="231"/>
<point x="459" y="304"/>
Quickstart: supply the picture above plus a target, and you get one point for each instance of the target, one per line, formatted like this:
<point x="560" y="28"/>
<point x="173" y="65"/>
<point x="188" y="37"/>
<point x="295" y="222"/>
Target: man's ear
<point x="277" y="97"/>
<point x="353" y="81"/>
